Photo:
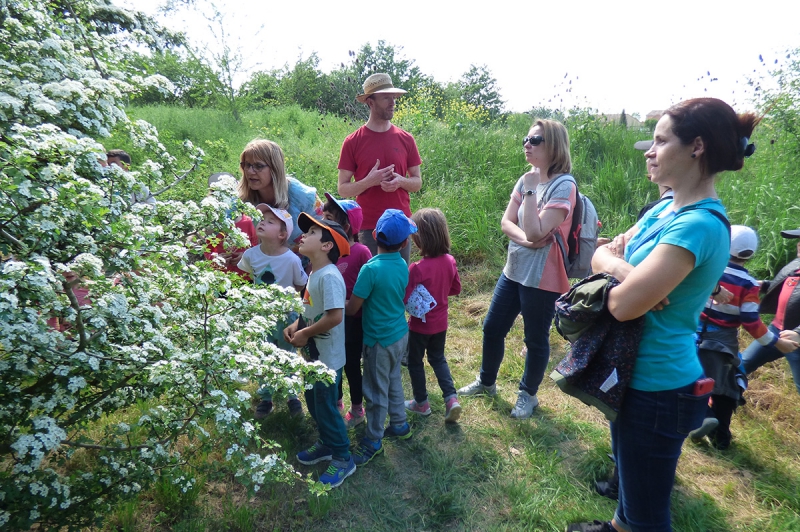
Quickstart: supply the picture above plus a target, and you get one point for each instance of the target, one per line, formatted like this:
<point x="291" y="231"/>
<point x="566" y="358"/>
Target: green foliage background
<point x="470" y="166"/>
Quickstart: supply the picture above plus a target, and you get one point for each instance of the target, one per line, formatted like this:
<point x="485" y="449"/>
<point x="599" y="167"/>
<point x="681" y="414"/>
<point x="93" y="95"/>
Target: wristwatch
<point x="528" y="192"/>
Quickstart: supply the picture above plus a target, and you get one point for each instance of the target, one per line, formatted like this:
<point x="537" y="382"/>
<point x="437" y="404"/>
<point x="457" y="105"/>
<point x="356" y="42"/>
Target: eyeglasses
<point x="249" y="166"/>
<point x="534" y="140"/>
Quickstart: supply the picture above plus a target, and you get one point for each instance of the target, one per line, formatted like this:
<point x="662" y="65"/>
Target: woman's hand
<point x="532" y="179"/>
<point x="788" y="342"/>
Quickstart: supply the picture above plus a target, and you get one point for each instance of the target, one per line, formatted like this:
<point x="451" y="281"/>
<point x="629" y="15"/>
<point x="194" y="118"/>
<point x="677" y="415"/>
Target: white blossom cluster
<point x="118" y="349"/>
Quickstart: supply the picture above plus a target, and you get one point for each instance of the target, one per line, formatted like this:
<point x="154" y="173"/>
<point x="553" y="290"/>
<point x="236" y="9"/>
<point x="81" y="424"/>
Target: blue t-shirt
<point x="667" y="356"/>
<point x="382" y="285"/>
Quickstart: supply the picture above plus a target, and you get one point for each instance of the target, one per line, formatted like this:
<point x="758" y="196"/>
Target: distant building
<point x="615" y="118"/>
<point x="654" y="115"/>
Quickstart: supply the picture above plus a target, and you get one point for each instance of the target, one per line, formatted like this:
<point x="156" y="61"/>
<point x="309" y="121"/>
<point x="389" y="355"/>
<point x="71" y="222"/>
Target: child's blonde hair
<point x="432" y="236"/>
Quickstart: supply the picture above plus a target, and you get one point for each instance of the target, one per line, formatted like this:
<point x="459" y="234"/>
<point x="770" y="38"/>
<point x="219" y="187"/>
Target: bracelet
<point x="717" y="291"/>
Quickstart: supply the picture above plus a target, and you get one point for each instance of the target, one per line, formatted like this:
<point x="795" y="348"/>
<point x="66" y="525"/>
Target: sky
<point x="612" y="55"/>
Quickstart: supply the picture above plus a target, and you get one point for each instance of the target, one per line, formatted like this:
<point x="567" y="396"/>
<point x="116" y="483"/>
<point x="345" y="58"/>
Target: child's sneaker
<point x="354" y="418"/>
<point x="478" y="388"/>
<point x="452" y="410"/>
<point x="594" y="526"/>
<point x="337" y="472"/>
<point x="403" y="432"/>
<point x="423" y="409"/>
<point x="367" y="450"/>
<point x="525" y="405"/>
<point x="340" y="406"/>
<point x="708" y="426"/>
<point x="263" y="409"/>
<point x="295" y="407"/>
<point x="315" y="454"/>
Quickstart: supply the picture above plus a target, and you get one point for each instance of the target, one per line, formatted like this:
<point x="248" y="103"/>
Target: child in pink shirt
<point x="430" y="282"/>
<point x="348" y="214"/>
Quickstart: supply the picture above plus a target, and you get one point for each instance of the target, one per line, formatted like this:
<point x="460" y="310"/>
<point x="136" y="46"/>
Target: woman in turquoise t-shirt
<point x="668" y="265"/>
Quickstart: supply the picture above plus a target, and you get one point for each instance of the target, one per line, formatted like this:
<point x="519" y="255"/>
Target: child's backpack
<point x="582" y="238"/>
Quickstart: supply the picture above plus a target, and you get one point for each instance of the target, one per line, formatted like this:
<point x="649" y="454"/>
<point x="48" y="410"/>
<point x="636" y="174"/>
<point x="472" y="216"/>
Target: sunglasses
<point x="249" y="166"/>
<point x="534" y="140"/>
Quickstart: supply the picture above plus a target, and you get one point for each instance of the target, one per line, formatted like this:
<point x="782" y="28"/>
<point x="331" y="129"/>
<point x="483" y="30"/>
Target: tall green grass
<point x="469" y="169"/>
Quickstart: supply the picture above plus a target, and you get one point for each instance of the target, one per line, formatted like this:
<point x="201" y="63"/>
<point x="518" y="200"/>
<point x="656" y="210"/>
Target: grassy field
<point x="490" y="472"/>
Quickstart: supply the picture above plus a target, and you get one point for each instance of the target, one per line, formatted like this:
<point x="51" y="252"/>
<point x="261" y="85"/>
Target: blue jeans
<point x="646" y="440"/>
<point x="756" y="355"/>
<point x="321" y="403"/>
<point x="434" y="343"/>
<point x="538" y="308"/>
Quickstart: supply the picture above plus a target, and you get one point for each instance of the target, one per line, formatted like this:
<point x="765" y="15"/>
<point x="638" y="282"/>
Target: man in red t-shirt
<point x="379" y="163"/>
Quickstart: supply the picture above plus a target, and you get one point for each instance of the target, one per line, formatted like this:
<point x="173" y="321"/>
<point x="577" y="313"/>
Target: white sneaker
<point x="477" y="388"/>
<point x="525" y="405"/>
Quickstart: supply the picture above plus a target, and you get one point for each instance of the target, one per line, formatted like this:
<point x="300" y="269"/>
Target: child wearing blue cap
<point x="380" y="289"/>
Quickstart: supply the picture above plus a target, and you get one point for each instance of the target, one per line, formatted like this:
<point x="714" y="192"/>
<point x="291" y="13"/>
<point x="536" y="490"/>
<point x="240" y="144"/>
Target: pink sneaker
<point x="452" y="411"/>
<point x="352" y="419"/>
<point x="418" y="408"/>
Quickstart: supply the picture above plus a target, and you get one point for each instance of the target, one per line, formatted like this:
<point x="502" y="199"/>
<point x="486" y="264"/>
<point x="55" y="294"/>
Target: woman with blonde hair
<point x="264" y="180"/>
<point x="541" y="204"/>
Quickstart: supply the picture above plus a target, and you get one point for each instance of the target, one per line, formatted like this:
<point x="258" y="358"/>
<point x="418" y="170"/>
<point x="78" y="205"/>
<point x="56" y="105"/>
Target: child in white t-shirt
<point x="272" y="262"/>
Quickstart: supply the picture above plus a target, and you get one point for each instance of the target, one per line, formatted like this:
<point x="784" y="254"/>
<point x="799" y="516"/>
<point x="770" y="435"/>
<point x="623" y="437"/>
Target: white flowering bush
<point x="121" y="353"/>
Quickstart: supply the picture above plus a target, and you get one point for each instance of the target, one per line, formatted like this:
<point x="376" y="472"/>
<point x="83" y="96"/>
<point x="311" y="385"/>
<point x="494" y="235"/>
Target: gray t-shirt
<point x="527" y="266"/>
<point x="326" y="291"/>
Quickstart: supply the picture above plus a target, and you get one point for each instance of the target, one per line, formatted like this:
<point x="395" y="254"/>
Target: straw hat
<point x="376" y="84"/>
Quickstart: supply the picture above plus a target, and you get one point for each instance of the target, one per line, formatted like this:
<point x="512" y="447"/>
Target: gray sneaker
<point x="525" y="405"/>
<point x="478" y="388"/>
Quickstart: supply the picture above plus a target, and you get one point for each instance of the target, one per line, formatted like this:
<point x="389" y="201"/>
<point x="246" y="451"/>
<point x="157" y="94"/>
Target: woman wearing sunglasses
<point x="264" y="180"/>
<point x="534" y="274"/>
<point x="668" y="265"/>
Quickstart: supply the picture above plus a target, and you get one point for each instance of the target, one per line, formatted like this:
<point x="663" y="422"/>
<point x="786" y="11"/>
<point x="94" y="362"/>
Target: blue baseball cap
<point x="351" y="209"/>
<point x="393" y="228"/>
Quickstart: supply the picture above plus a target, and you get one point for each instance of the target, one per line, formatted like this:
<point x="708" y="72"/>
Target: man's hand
<point x="377" y="176"/>
<point x="393" y="183"/>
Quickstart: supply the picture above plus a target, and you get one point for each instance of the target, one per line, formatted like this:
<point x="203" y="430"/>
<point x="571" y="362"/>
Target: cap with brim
<point x="281" y="214"/>
<point x="378" y="84"/>
<point x="744" y="242"/>
<point x="643" y="145"/>
<point x="355" y="216"/>
<point x="792" y="233"/>
<point x="305" y="221"/>
<point x="393" y="228"/>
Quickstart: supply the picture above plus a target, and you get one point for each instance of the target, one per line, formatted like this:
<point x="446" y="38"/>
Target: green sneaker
<point x="367" y="450"/>
<point x="402" y="433"/>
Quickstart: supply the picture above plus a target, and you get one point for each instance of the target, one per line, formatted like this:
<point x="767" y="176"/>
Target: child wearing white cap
<point x="719" y="340"/>
<point x="272" y="262"/>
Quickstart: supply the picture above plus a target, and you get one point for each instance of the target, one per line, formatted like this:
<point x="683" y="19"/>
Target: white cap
<point x="744" y="242"/>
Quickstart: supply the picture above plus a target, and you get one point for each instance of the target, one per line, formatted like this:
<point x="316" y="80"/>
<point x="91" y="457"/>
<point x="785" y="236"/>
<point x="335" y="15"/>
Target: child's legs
<point x="376" y="386"/>
<point x="332" y="432"/>
<point x="416" y="365"/>
<point x="353" y="344"/>
<point x="438" y="362"/>
<point x="276" y="338"/>
<point x="397" y="406"/>
<point x="723" y="407"/>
